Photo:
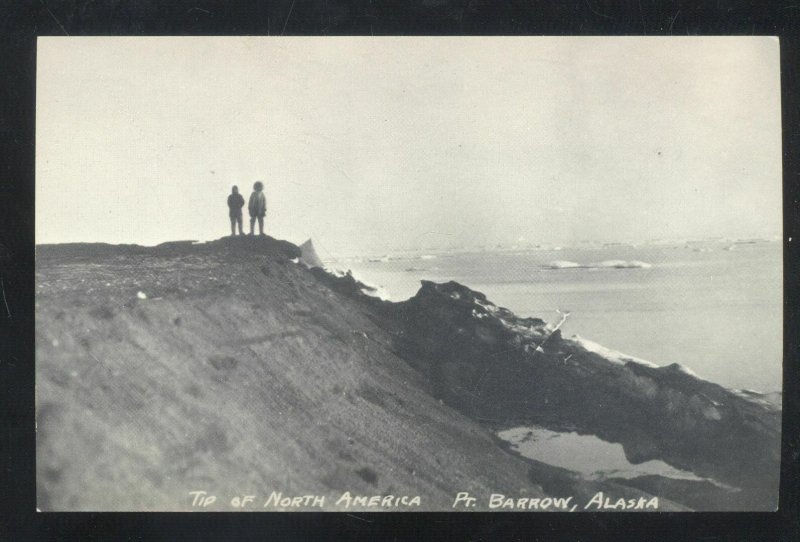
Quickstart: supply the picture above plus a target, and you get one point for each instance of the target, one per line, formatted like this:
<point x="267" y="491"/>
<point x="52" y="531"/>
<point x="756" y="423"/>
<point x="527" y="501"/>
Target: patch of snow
<point x="141" y="295"/>
<point x="530" y="332"/>
<point x="488" y="307"/>
<point x="772" y="399"/>
<point x="607" y="353"/>
<point x="749" y="391"/>
<point x="338" y="273"/>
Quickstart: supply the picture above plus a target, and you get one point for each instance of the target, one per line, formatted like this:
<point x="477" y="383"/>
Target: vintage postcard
<point x="407" y="274"/>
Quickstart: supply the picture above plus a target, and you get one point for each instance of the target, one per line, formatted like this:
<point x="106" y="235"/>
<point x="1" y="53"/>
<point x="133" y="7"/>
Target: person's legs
<point x="252" y="224"/>
<point x="239" y="221"/>
<point x="233" y="225"/>
<point x="261" y="225"/>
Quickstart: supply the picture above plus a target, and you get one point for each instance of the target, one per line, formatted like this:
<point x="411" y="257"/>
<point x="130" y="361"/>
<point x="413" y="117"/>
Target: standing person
<point x="257" y="207"/>
<point x="235" y="204"/>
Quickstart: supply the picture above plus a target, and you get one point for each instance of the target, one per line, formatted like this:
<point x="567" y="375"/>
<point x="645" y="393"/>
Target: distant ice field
<point x="713" y="306"/>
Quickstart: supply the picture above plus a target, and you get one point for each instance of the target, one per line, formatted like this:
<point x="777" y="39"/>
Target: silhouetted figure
<point x="257" y="207"/>
<point x="235" y="204"/>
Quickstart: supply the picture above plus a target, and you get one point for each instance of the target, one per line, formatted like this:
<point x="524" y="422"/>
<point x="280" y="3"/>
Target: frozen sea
<point x="714" y="306"/>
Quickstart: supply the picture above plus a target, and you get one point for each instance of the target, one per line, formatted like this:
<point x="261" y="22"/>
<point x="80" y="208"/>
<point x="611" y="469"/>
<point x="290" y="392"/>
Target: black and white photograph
<point x="408" y="274"/>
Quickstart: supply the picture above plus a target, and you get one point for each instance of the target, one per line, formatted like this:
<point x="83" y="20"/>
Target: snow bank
<point x="609" y="354"/>
<point x="772" y="399"/>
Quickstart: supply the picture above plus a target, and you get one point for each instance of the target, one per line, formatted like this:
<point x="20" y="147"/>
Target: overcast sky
<point x="372" y="144"/>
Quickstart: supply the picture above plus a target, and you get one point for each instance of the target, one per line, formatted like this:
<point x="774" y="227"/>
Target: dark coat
<point x="235" y="204"/>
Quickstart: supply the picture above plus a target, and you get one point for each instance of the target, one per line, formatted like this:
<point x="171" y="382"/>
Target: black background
<point x="22" y="21"/>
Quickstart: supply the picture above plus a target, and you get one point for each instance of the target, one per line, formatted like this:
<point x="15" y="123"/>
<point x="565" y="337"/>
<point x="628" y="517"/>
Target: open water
<point x="713" y="306"/>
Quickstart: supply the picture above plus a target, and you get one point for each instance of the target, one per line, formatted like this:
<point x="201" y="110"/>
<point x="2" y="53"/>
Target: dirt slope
<point x="228" y="368"/>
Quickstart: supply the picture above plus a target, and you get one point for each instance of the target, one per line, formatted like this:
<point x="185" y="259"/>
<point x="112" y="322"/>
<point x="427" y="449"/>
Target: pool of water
<point x="588" y="455"/>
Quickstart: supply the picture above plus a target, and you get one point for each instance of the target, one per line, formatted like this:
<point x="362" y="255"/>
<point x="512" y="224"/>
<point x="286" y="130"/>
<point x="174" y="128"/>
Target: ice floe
<point x="606" y="264"/>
